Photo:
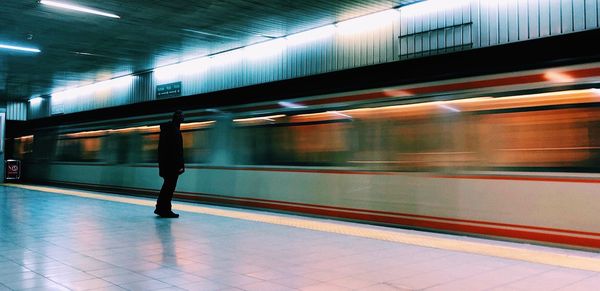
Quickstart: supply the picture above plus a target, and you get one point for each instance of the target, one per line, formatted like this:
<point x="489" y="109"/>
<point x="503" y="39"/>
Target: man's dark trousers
<point x="163" y="204"/>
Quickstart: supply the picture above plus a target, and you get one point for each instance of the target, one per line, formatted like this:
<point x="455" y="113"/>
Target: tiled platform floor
<point x="50" y="241"/>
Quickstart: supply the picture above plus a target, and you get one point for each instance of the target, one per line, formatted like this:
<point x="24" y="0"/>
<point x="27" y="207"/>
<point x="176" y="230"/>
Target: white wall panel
<point x="567" y="16"/>
<point x="534" y="18"/>
<point x="555" y="17"/>
<point x="16" y="110"/>
<point x="313" y="59"/>
<point x="578" y="15"/>
<point x="591" y="13"/>
<point x="523" y="16"/>
<point x="467" y="31"/>
<point x="404" y="31"/>
<point x="545" y="26"/>
<point x="455" y="34"/>
<point x="493" y="24"/>
<point x="513" y="20"/>
<point x="484" y="23"/>
<point x="145" y="88"/>
<point x="503" y="24"/>
<point x="449" y="33"/>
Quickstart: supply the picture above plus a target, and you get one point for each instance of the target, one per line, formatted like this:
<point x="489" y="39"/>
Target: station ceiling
<point x="78" y="48"/>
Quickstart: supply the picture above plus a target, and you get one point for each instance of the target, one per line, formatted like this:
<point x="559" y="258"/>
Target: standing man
<point x="170" y="163"/>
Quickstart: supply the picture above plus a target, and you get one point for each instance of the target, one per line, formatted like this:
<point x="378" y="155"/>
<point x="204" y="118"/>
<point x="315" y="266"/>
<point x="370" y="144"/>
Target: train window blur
<point x="196" y="145"/>
<point x="124" y="147"/>
<point x="23" y="147"/>
<point x="90" y="148"/>
<point x="294" y="141"/>
<point x="430" y="136"/>
<point x="260" y="145"/>
<point x="443" y="141"/>
<point x="78" y="149"/>
<point x="321" y="144"/>
<point x="412" y="138"/>
<point x="560" y="138"/>
<point x="150" y="148"/>
<point x="67" y="150"/>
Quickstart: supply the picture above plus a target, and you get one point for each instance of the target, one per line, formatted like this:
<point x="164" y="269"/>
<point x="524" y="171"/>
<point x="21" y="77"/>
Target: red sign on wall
<point x="13" y="169"/>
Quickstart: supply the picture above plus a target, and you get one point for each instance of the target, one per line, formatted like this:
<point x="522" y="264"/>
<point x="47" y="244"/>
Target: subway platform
<point x="60" y="239"/>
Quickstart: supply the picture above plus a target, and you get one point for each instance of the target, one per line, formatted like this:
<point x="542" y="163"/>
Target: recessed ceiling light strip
<point x="77" y="8"/>
<point x="19" y="48"/>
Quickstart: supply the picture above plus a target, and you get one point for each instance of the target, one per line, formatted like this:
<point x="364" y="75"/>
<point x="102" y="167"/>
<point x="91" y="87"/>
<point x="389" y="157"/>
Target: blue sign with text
<point x="168" y="90"/>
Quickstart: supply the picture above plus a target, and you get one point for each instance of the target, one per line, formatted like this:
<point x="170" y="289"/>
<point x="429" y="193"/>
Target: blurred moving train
<point x="514" y="156"/>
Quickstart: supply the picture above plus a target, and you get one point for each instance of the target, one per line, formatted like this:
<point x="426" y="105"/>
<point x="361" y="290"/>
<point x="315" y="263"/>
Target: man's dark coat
<point x="170" y="150"/>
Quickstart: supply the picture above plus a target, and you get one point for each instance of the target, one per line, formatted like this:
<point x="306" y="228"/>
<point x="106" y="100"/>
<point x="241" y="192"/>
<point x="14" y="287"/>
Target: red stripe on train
<point x="453" y="227"/>
<point x="517" y="178"/>
<point x="480" y="84"/>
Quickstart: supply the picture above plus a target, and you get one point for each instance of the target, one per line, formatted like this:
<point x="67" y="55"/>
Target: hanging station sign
<point x="168" y="90"/>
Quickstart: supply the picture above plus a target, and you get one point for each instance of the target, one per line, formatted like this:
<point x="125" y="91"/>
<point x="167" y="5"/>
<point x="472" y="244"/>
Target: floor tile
<point x="88" y="284"/>
<point x="553" y="279"/>
<point x="295" y="281"/>
<point x="263" y="286"/>
<point x="590" y="283"/>
<point x="203" y="285"/>
<point x="145" y="285"/>
<point x="324" y="287"/>
<point x="125" y="278"/>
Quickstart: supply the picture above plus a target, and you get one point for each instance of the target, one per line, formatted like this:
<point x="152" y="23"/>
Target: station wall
<point x="413" y="31"/>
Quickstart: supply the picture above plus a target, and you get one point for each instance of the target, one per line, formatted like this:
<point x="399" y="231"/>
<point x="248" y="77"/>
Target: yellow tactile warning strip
<point x="567" y="259"/>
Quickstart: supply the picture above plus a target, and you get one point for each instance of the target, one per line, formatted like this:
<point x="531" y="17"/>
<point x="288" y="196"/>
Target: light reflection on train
<point x="523" y="166"/>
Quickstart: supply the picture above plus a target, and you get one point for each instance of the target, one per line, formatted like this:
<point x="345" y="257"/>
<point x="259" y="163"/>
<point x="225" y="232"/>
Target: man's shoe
<point x="166" y="214"/>
<point x="170" y="214"/>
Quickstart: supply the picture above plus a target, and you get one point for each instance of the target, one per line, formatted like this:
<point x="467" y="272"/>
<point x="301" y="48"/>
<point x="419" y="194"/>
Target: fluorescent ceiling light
<point x="432" y="6"/>
<point x="86" y="90"/>
<point x="311" y="35"/>
<point x="207" y="33"/>
<point x="77" y="8"/>
<point x="265" y="49"/>
<point x="19" y="48"/>
<point x="228" y="57"/>
<point x="63" y="95"/>
<point x="183" y="68"/>
<point x="369" y="22"/>
<point x="114" y="83"/>
<point x="36" y="100"/>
